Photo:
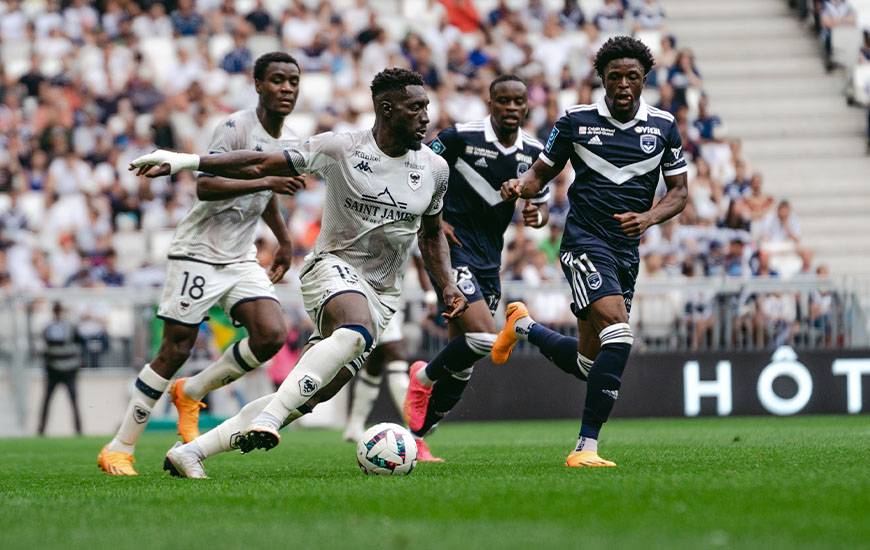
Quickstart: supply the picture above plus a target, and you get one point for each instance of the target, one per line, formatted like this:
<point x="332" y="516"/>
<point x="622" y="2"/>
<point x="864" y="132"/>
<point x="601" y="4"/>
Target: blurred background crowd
<point x="87" y="86"/>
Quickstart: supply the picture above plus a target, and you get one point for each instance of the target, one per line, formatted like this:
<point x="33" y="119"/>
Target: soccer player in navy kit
<point x="481" y="155"/>
<point x="617" y="148"/>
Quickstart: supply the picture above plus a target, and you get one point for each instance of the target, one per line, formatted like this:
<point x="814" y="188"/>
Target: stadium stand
<point x="85" y="89"/>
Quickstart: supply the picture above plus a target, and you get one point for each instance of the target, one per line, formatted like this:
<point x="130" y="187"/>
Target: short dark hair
<point x="620" y="47"/>
<point x="394" y="79"/>
<point x="504" y="78"/>
<point x="262" y="63"/>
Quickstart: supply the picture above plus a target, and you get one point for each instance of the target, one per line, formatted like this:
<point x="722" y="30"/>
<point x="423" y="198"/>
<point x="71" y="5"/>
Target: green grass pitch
<point x="701" y="483"/>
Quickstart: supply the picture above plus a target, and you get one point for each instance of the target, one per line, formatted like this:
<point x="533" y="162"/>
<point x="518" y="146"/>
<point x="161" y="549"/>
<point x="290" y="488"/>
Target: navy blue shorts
<point x="594" y="271"/>
<point x="475" y="285"/>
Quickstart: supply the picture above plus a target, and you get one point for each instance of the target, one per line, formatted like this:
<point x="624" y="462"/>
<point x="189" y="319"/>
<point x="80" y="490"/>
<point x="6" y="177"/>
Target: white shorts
<point x="326" y="276"/>
<point x="393" y="332"/>
<point x="192" y="288"/>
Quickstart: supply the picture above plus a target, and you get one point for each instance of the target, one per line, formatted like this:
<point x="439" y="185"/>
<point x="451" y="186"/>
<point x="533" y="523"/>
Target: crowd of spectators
<point x="843" y="27"/>
<point x="86" y="87"/>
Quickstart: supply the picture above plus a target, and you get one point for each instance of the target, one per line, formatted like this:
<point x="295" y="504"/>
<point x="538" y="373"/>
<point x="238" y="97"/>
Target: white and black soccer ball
<point x="387" y="449"/>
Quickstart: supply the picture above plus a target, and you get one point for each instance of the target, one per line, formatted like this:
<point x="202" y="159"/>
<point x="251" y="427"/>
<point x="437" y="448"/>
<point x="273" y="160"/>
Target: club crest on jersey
<point x="648" y="143"/>
<point x="522" y="168"/>
<point x="437" y="146"/>
<point x="307" y="386"/>
<point x="415" y="180"/>
<point x="593" y="280"/>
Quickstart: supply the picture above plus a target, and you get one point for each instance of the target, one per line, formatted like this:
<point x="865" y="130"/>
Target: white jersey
<point x="373" y="202"/>
<point x="223" y="231"/>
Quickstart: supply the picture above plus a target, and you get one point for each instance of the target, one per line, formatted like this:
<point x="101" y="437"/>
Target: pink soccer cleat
<point x="423" y="452"/>
<point x="417" y="399"/>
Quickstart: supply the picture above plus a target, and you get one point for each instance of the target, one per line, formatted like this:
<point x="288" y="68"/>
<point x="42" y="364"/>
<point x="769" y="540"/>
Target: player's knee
<point x="175" y="353"/>
<point x="266" y="342"/>
<point x="480" y="342"/>
<point x="356" y="337"/>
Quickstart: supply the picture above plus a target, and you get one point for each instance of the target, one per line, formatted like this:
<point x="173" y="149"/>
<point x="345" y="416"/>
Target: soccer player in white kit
<point x="382" y="188"/>
<point x="212" y="260"/>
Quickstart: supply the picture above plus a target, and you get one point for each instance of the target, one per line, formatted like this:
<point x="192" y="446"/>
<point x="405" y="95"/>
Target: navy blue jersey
<point x="479" y="164"/>
<point x="617" y="169"/>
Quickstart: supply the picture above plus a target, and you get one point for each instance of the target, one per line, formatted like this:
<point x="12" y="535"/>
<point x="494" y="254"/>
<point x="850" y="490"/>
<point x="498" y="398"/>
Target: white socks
<point x="586" y="444"/>
<point x="423" y="379"/>
<point x="316" y="368"/>
<point x="148" y="388"/>
<point x="223" y="438"/>
<point x="237" y="360"/>
<point x="522" y="326"/>
<point x="397" y="382"/>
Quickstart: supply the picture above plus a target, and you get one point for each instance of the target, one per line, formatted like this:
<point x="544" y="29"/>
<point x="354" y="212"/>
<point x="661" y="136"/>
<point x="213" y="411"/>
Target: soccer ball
<point x="387" y="450"/>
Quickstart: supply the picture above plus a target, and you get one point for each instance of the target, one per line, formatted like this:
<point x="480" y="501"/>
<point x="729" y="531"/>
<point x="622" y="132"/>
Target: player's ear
<point x="257" y="86"/>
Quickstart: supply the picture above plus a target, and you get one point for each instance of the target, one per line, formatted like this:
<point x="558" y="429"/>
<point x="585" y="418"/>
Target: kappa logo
<point x="481" y="163"/>
<point x="184" y="306"/>
<point x="415" y="180"/>
<point x="613" y="394"/>
<point x="594" y="141"/>
<point x="258" y="148"/>
<point x="677" y="152"/>
<point x="234" y="440"/>
<point x="363" y="166"/>
<point x="593" y="280"/>
<point x="307" y="386"/>
<point x="648" y="143"/>
<point x="140" y="414"/>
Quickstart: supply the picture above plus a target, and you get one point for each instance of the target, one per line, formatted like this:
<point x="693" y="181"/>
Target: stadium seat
<point x="158" y="245"/>
<point x="846" y="42"/>
<point x="218" y="46"/>
<point x="860" y="85"/>
<point x="304" y="124"/>
<point x="315" y="91"/>
<point x="260" y="44"/>
<point x="131" y="247"/>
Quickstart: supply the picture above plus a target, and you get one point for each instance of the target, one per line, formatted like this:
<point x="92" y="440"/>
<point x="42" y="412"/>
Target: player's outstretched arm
<point x="215" y="188"/>
<point x="634" y="224"/>
<point x="244" y="165"/>
<point x="436" y="256"/>
<point x="530" y="182"/>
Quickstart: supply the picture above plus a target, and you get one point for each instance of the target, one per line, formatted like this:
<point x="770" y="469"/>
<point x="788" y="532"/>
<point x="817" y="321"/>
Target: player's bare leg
<point x="387" y="357"/>
<point x="434" y="390"/>
<point x="267" y="330"/>
<point x="347" y="327"/>
<point x="116" y="458"/>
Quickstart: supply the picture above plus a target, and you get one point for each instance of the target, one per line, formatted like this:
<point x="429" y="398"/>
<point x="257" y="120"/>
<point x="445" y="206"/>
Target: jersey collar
<point x="489" y="135"/>
<point x="641" y="114"/>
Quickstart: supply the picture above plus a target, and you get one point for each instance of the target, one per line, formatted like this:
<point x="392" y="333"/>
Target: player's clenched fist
<point x="511" y="189"/>
<point x="286" y="185"/>
<point x="164" y="163"/>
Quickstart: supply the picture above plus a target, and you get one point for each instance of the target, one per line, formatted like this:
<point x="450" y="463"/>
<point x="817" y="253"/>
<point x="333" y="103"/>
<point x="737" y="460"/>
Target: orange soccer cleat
<point x="507" y="336"/>
<point x="587" y="459"/>
<point x="116" y="463"/>
<point x="188" y="411"/>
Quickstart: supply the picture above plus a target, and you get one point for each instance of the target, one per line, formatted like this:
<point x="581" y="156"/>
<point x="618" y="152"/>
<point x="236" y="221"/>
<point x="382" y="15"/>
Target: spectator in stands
<point x="610" y="17"/>
<point x="735" y="263"/>
<point x="683" y="75"/>
<point x="781" y="226"/>
<point x="260" y="18"/>
<point x="649" y="15"/>
<point x="758" y="203"/>
<point x="740" y="186"/>
<point x="239" y="59"/>
<point x="186" y="21"/>
<point x="834" y="13"/>
<point x="706" y="123"/>
<point x="62" y="363"/>
<point x="666" y="100"/>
